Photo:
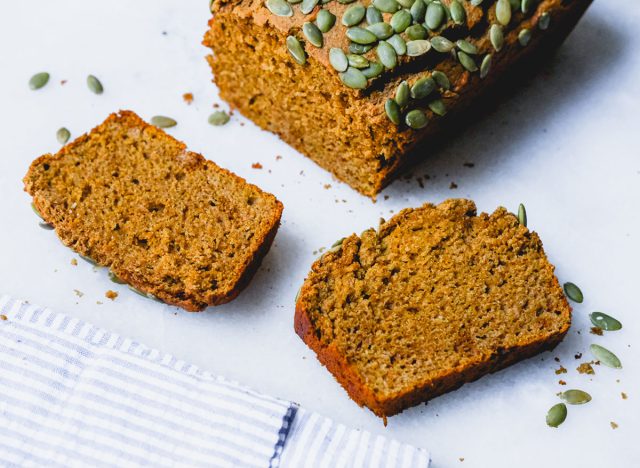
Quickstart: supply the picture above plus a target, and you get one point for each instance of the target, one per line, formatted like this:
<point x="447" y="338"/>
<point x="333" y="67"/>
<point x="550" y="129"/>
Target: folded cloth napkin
<point x="72" y="394"/>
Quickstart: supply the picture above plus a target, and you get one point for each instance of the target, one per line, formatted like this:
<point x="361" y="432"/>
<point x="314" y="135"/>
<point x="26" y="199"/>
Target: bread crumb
<point x="461" y="459"/>
<point x="622" y="394"/>
<point x="74" y="262"/>
<point x="111" y="295"/>
<point x="614" y="425"/>
<point x="4" y="317"/>
<point x="585" y="368"/>
<point x="596" y="331"/>
<point x="562" y="382"/>
<point x="327" y="186"/>
<point x="256" y="166"/>
<point x="99" y="302"/>
<point x="453" y="185"/>
<point x="78" y="293"/>
<point x="188" y="98"/>
<point x="63" y="82"/>
<point x="561" y="370"/>
<point x="278" y="158"/>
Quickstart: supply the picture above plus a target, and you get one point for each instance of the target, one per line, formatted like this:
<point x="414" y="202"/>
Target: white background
<point x="566" y="146"/>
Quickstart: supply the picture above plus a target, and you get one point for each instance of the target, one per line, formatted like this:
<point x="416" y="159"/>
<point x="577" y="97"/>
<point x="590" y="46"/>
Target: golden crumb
<point x="562" y="382"/>
<point x="614" y="425"/>
<point x="327" y="186"/>
<point x="188" y="98"/>
<point x="78" y="293"/>
<point x="278" y="158"/>
<point x="111" y="295"/>
<point x="256" y="166"/>
<point x="596" y="331"/>
<point x="461" y="459"/>
<point x="622" y="394"/>
<point x="585" y="368"/>
<point x="561" y="370"/>
<point x="4" y="317"/>
<point x="74" y="262"/>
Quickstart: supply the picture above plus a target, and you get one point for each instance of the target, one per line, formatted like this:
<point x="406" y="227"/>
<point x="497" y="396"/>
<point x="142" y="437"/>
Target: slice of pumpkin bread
<point x="165" y="220"/>
<point x="436" y="297"/>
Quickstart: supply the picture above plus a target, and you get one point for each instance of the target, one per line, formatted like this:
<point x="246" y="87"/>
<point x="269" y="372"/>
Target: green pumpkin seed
<point x="219" y="118"/>
<point x="279" y="7"/>
<point x="556" y="415"/>
<point x="374" y="69"/>
<point x="544" y="20"/>
<point x="503" y="12"/>
<point x="46" y="226"/>
<point x="441" y="79"/>
<point x="416" y="119"/>
<point x="467" y="62"/>
<point x="325" y="20"/>
<point x="373" y="15"/>
<point x="295" y="49"/>
<point x="419" y="47"/>
<point x="387" y="6"/>
<point x="392" y="109"/>
<point x="497" y="37"/>
<point x="398" y="44"/>
<point x="115" y="279"/>
<point x="416" y="32"/>
<point x="353" y="15"/>
<point x="143" y="294"/>
<point x="36" y="211"/>
<point x="94" y="85"/>
<point x="294" y="2"/>
<point x="524" y="37"/>
<point x="605" y="356"/>
<point x="466" y="47"/>
<point x="604" y="321"/>
<point x="357" y="61"/>
<point x="387" y="54"/>
<point x="485" y="66"/>
<point x="405" y="3"/>
<point x="344" y="2"/>
<point x="354" y="78"/>
<point x="63" y="135"/>
<point x="476" y="2"/>
<point x="522" y="215"/>
<point x="423" y="87"/>
<point x="361" y="36"/>
<point x="515" y="5"/>
<point x="526" y="6"/>
<point x="401" y="20"/>
<point x="338" y="59"/>
<point x="39" y="80"/>
<point x="458" y="15"/>
<point x="297" y="295"/>
<point x="575" y="397"/>
<point x="381" y="30"/>
<point x="573" y="292"/>
<point x="360" y="48"/>
<point x="437" y="107"/>
<point x="435" y="15"/>
<point x="418" y="11"/>
<point x="403" y="93"/>
<point x="89" y="260"/>
<point x="442" y="44"/>
<point x="162" y="121"/>
<point x="308" y="6"/>
<point x="313" y="34"/>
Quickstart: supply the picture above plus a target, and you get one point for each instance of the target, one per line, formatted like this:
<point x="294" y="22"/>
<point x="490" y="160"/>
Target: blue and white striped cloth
<point x="72" y="394"/>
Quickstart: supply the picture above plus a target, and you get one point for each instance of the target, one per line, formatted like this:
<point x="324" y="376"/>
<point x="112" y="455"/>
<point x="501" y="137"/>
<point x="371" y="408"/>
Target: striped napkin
<point x="72" y="394"/>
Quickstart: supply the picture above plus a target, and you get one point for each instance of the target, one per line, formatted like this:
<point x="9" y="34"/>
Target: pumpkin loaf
<point x="436" y="297"/>
<point x="168" y="222"/>
<point x="357" y="85"/>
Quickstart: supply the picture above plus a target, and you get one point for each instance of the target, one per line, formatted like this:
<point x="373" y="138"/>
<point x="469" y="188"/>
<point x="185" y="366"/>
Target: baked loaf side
<point x="425" y="64"/>
<point x="163" y="219"/>
<point x="436" y="297"/>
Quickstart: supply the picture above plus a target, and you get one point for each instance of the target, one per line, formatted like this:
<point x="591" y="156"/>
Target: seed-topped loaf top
<point x="435" y="297"/>
<point x="163" y="219"/>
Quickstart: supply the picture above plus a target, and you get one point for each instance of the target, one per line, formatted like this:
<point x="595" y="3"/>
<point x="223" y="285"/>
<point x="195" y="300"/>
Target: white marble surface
<point x="566" y="146"/>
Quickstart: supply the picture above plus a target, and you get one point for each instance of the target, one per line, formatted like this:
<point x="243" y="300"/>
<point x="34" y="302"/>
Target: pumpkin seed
<point x="526" y="6"/>
<point x="361" y="36"/>
<point x="435" y="15"/>
<point x="353" y="15"/>
<point x="89" y="260"/>
<point x="416" y="119"/>
<point x="313" y="34"/>
<point x="357" y="61"/>
<point x="406" y="3"/>
<point x="338" y="59"/>
<point x="497" y="37"/>
<point x="354" y="78"/>
<point x="575" y="397"/>
<point x="524" y="37"/>
<point x="94" y="84"/>
<point x="115" y="279"/>
<point x="458" y="15"/>
<point x="344" y="2"/>
<point x="418" y="11"/>
<point x="387" y="54"/>
<point x="297" y="295"/>
<point x="544" y="20"/>
<point x="63" y="135"/>
<point x="442" y="44"/>
<point x="573" y="292"/>
<point x="402" y="94"/>
<point x="522" y="215"/>
<point x="419" y="47"/>
<point x="441" y="79"/>
<point x="338" y="242"/>
<point x="556" y="415"/>
<point x="466" y="47"/>
<point x="392" y="109"/>
<point x="36" y="211"/>
<point x="387" y="6"/>
<point x="294" y="2"/>
<point x="437" y="107"/>
<point x="373" y="70"/>
<point x="401" y="20"/>
<point x="46" y="226"/>
<point x="308" y="6"/>
<point x="476" y="2"/>
<point x="604" y="321"/>
<point x="416" y="32"/>
<point x="503" y="12"/>
<point x="219" y="118"/>
<point x="398" y="44"/>
<point x="295" y="49"/>
<point x="143" y="294"/>
<point x="39" y="80"/>
<point x="605" y="356"/>
<point x="163" y="121"/>
<point x="279" y="7"/>
<point x="381" y="30"/>
<point x="515" y="4"/>
<point x="467" y="62"/>
<point x="325" y="20"/>
<point x="360" y="48"/>
<point x="373" y="15"/>
<point x="485" y="66"/>
<point x="423" y="87"/>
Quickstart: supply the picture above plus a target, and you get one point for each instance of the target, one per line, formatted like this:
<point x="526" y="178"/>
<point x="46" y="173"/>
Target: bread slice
<point x="163" y="219"/>
<point x="435" y="298"/>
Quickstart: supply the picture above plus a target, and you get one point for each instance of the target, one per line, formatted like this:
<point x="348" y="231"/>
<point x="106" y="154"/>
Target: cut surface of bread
<point x="165" y="220"/>
<point x="436" y="297"/>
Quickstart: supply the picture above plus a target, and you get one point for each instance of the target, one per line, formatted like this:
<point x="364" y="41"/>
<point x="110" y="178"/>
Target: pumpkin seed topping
<point x="46" y="226"/>
<point x="557" y="415"/>
<point x="218" y="118"/>
<point x="575" y="397"/>
<point x="441" y="79"/>
<point x="573" y="292"/>
<point x="467" y="62"/>
<point x="403" y="93"/>
<point x="338" y="59"/>
<point x="466" y="47"/>
<point x="392" y="109"/>
<point x="387" y="6"/>
<point x="605" y="356"/>
<point x="373" y="15"/>
<point x="418" y="11"/>
<point x="381" y="30"/>
<point x="423" y="87"/>
<point x="435" y="15"/>
<point x="497" y="37"/>
<point x="36" y="211"/>
<point x="526" y="6"/>
<point x="115" y="279"/>
<point x="405" y="3"/>
<point x="357" y="61"/>
<point x="308" y="6"/>
<point x="416" y="32"/>
<point x="416" y="119"/>
<point x="401" y="20"/>
<point x="437" y="107"/>
<point x="544" y="20"/>
<point x="162" y="121"/>
<point x="524" y="37"/>
<point x="295" y="49"/>
<point x="418" y="47"/>
<point x="387" y="54"/>
<point x="485" y="66"/>
<point x="63" y="135"/>
<point x="476" y="2"/>
<point x="458" y="15"/>
<point x="353" y="15"/>
<point x="89" y="260"/>
<point x="313" y="34"/>
<point x="39" y="80"/>
<point x="279" y="7"/>
<point x="604" y="321"/>
<point x="522" y="215"/>
<point x="325" y="20"/>
<point x="503" y="12"/>
<point x="374" y="69"/>
<point x="398" y="44"/>
<point x="360" y="48"/>
<point x="442" y="44"/>
<point x="94" y="85"/>
<point x="354" y="78"/>
<point x="361" y="35"/>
